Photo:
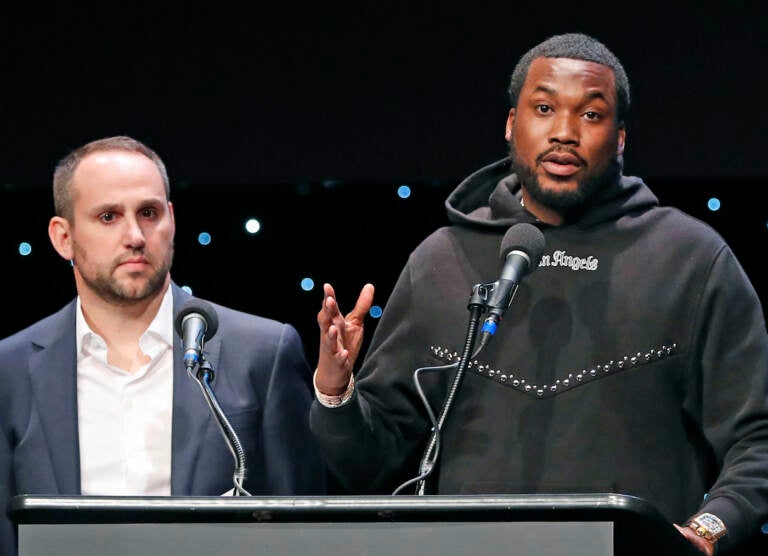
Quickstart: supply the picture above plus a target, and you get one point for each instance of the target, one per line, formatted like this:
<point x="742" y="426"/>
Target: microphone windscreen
<point x="202" y="308"/>
<point x="524" y="237"/>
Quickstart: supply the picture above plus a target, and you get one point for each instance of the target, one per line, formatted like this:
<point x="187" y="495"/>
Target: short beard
<point x="563" y="202"/>
<point x="105" y="286"/>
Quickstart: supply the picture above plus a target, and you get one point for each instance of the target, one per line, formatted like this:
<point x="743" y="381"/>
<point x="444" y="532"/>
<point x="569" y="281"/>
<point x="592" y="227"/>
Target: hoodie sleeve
<point x="371" y="441"/>
<point x="732" y="396"/>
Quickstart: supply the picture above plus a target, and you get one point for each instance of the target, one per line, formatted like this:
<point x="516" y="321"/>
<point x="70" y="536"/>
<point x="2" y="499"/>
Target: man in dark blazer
<point x="61" y="431"/>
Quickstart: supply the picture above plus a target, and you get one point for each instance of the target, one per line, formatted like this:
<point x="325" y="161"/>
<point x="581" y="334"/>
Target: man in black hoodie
<point x="633" y="360"/>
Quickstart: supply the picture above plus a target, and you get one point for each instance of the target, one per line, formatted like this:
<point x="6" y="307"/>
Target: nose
<point x="565" y="129"/>
<point x="134" y="234"/>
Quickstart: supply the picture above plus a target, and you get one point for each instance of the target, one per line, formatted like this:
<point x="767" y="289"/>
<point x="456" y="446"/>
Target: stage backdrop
<point x="314" y="232"/>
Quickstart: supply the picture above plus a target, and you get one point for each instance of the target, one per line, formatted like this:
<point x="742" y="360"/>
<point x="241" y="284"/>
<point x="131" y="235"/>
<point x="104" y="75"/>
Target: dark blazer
<point x="262" y="381"/>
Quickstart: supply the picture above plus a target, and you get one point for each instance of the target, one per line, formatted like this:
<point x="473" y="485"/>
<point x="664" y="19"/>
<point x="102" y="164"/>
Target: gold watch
<point x="708" y="526"/>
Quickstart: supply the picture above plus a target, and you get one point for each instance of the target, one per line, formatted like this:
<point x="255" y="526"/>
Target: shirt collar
<point x="161" y="326"/>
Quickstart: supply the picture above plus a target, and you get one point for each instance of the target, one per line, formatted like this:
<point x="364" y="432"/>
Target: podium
<point x="520" y="525"/>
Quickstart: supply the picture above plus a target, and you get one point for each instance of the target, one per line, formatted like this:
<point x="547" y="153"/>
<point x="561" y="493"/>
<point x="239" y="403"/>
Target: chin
<point x="137" y="286"/>
<point x="555" y="186"/>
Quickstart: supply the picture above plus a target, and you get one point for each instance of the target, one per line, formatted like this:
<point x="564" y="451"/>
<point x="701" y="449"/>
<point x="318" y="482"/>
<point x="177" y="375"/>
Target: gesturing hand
<point x="341" y="337"/>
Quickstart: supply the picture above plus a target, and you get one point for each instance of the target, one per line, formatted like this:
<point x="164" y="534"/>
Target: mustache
<point x="561" y="149"/>
<point x="134" y="253"/>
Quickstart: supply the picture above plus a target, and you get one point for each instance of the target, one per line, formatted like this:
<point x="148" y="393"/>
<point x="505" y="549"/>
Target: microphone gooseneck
<point x="197" y="322"/>
<point x="521" y="250"/>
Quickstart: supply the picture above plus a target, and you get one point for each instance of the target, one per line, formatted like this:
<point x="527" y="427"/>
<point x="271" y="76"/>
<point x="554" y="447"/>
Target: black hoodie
<point x="633" y="360"/>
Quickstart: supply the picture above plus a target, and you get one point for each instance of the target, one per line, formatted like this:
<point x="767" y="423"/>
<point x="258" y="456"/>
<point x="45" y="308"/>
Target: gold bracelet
<point x="708" y="526"/>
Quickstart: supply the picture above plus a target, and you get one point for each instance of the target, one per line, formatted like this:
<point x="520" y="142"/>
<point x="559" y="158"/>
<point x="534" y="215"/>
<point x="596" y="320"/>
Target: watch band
<point x="708" y="526"/>
<point x="334" y="401"/>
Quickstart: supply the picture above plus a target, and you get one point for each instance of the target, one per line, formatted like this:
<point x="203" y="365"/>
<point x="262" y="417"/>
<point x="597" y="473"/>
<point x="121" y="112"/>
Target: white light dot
<point x="252" y="226"/>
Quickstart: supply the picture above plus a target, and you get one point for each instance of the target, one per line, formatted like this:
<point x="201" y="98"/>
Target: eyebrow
<point x="543" y="89"/>
<point x="596" y="94"/>
<point x="111" y="207"/>
<point x="106" y="207"/>
<point x="591" y="95"/>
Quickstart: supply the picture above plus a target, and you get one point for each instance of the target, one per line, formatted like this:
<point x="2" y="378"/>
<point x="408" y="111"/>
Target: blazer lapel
<point x="53" y="374"/>
<point x="191" y="415"/>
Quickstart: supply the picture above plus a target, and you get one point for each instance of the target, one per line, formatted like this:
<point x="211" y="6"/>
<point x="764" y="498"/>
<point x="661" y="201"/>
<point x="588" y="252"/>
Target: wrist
<point x="707" y="526"/>
<point x="333" y="397"/>
<point x="330" y="383"/>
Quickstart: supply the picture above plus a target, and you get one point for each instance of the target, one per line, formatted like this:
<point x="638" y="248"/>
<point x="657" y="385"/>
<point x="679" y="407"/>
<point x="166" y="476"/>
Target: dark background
<point x="309" y="117"/>
<point x="363" y="91"/>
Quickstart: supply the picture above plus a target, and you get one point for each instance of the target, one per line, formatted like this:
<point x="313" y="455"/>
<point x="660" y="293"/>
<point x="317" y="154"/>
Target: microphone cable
<point x="432" y="420"/>
<point x="429" y="458"/>
<point x="204" y="378"/>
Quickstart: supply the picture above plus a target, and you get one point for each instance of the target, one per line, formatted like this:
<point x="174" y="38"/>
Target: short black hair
<point x="577" y="46"/>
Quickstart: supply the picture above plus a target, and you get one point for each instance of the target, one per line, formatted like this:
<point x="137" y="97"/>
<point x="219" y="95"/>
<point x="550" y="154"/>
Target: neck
<point x="542" y="212"/>
<point x="121" y="325"/>
<point x="119" y="321"/>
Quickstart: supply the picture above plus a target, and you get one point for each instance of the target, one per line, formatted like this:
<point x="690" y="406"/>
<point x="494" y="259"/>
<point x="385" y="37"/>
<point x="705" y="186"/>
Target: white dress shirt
<point x="124" y="419"/>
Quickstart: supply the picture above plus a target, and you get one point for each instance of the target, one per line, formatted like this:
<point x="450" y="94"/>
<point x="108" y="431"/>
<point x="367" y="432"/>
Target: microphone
<point x="196" y="322"/>
<point x="521" y="249"/>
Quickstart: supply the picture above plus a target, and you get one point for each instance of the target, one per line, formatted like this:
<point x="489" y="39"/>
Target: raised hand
<point x="341" y="337"/>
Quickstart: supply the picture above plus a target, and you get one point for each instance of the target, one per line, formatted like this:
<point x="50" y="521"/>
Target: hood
<point x="490" y="198"/>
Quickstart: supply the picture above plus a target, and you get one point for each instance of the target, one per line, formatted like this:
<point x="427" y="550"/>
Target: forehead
<point x="567" y="74"/>
<point x="117" y="175"/>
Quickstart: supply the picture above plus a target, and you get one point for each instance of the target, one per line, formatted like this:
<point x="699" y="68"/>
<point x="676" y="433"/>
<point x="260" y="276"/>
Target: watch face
<point x="709" y="527"/>
<point x="711" y="522"/>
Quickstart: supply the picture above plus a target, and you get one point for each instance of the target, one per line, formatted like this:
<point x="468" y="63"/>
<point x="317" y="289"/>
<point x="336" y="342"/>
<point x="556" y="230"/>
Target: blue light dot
<point x="24" y="249"/>
<point x="713" y="204"/>
<point x="204" y="238"/>
<point x="403" y="191"/>
<point x="252" y="226"/>
<point x="375" y="311"/>
<point x="307" y="284"/>
<point x="187" y="289"/>
<point x="764" y="528"/>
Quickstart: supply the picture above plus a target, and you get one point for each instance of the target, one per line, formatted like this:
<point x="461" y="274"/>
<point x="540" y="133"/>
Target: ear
<point x="173" y="218"/>
<point x="60" y="234"/>
<point x="622" y="141"/>
<point x="510" y="125"/>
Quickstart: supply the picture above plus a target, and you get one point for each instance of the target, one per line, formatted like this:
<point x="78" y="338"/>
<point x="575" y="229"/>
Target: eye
<point x="107" y="217"/>
<point x="543" y="108"/>
<point x="593" y="116"/>
<point x="148" y="212"/>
